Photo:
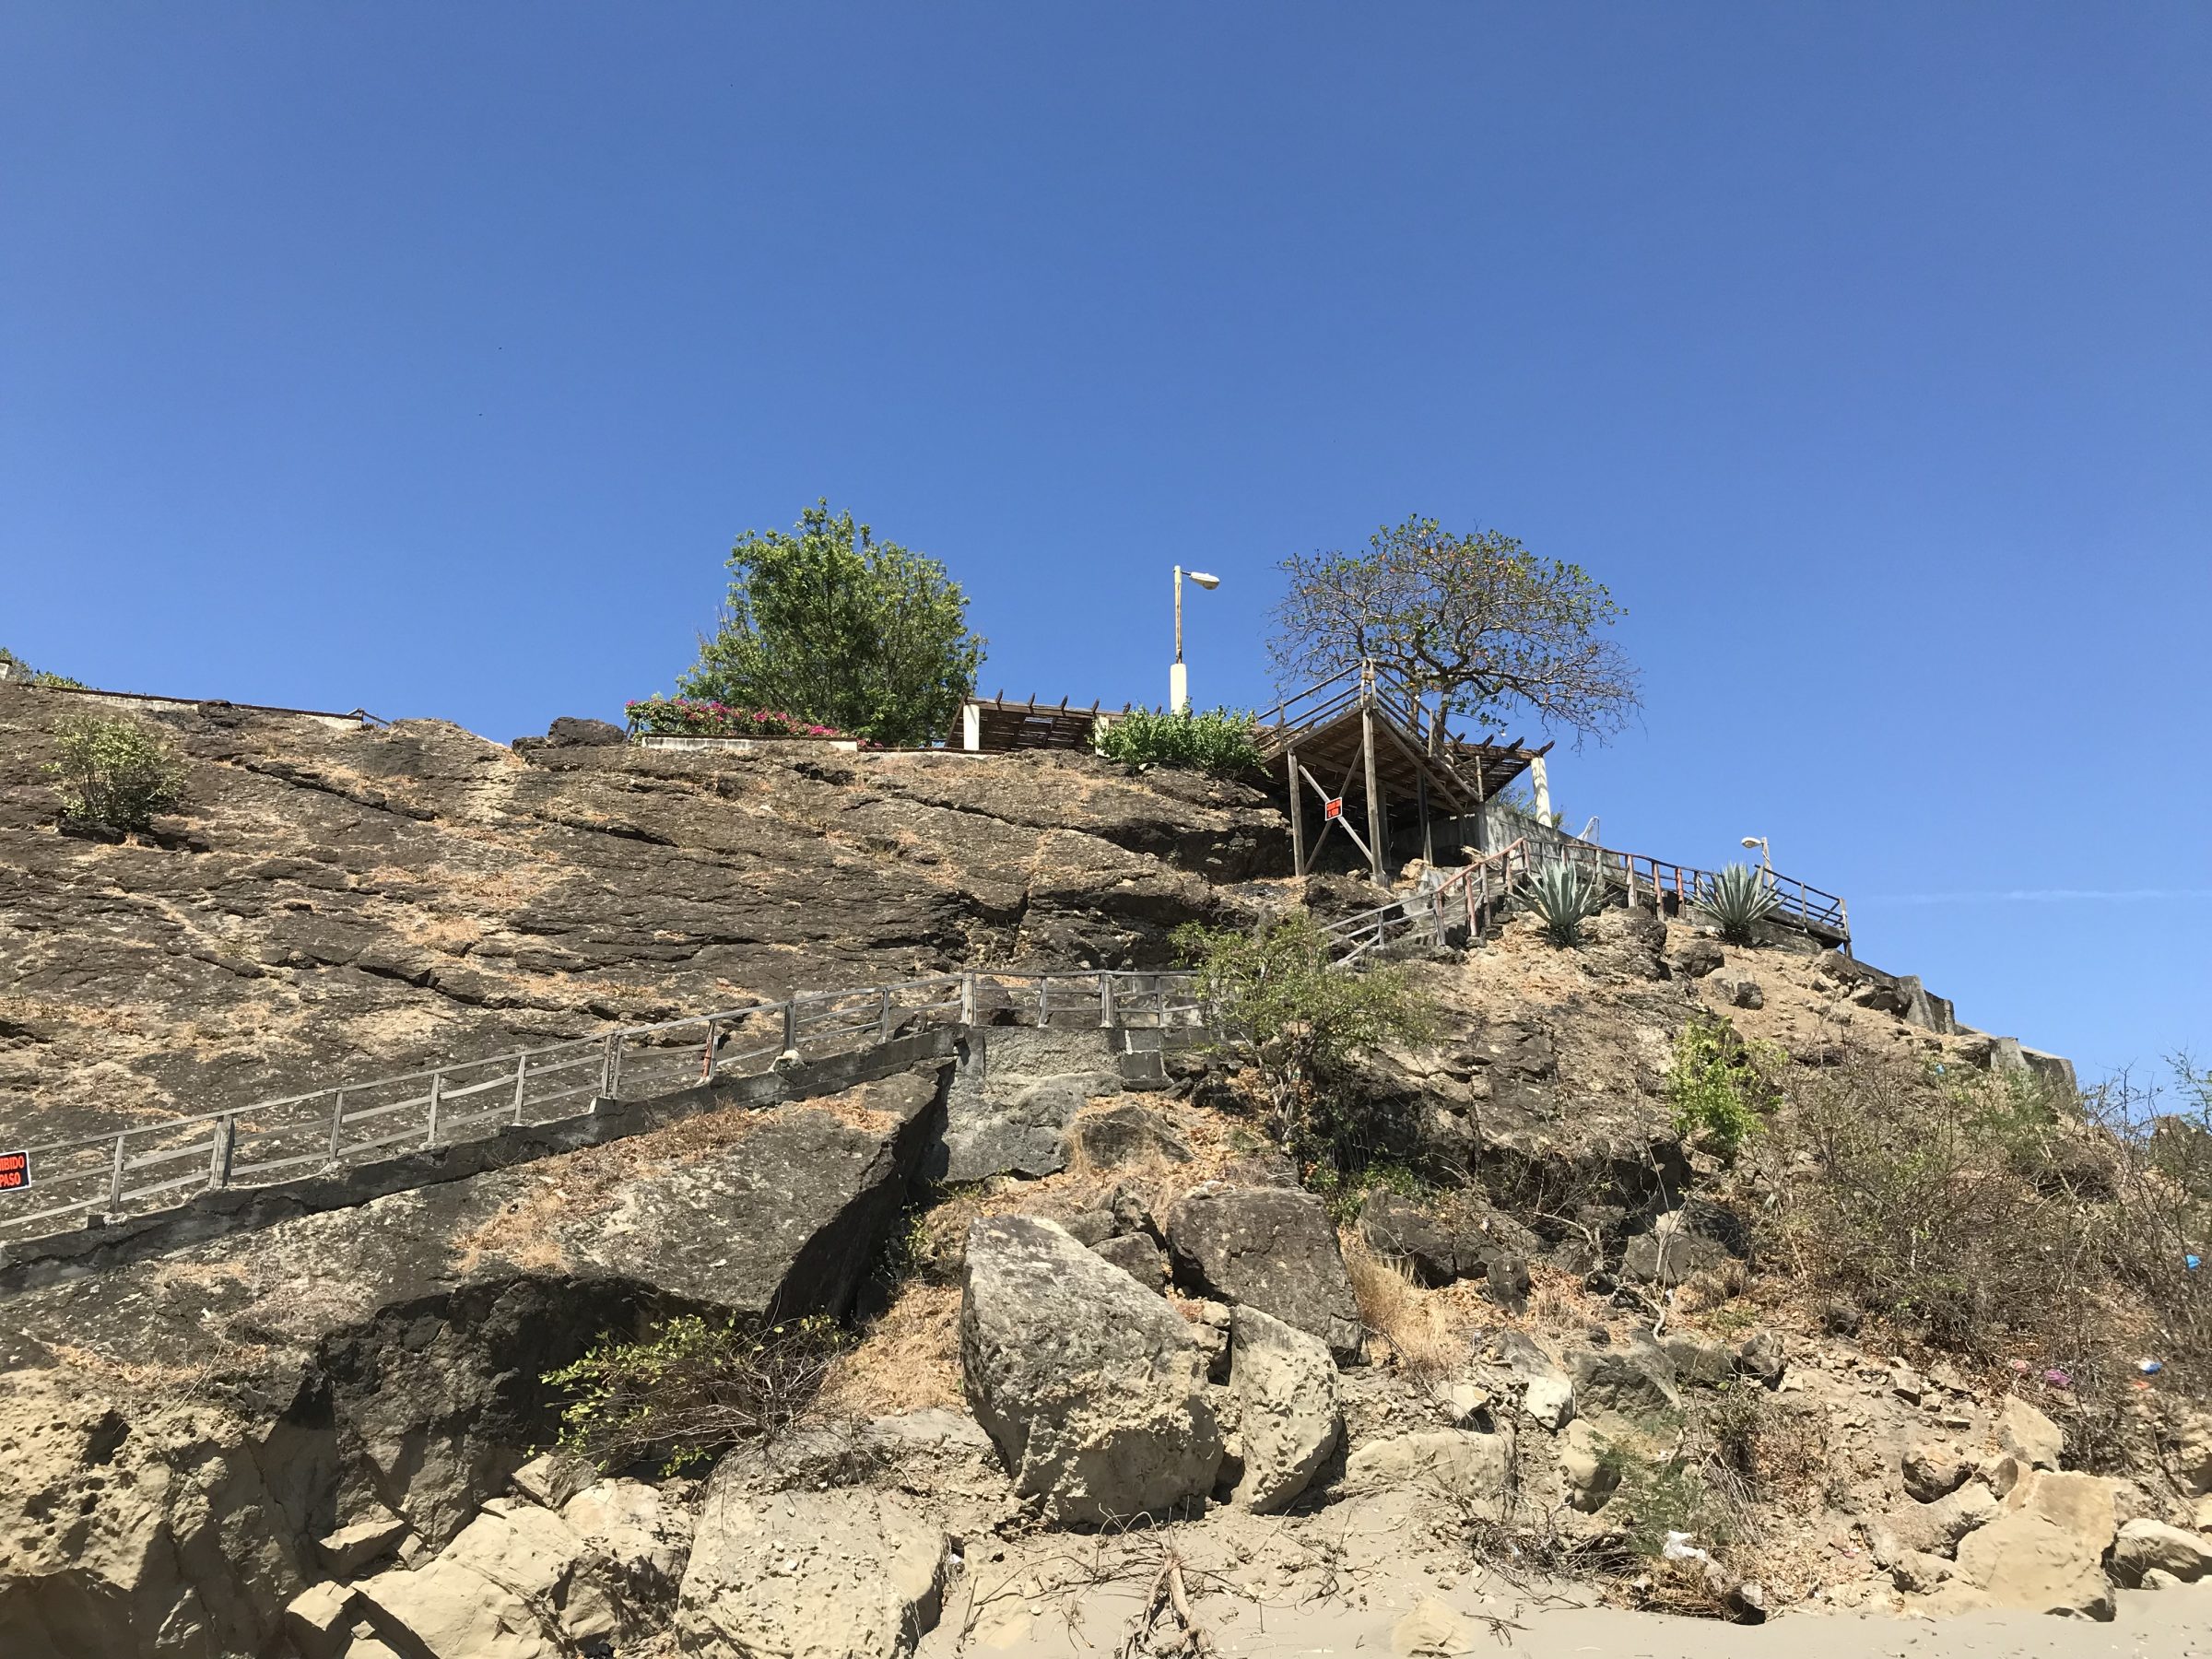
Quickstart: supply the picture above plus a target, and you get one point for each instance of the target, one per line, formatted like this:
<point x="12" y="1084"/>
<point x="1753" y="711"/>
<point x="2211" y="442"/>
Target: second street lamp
<point x="1179" y="683"/>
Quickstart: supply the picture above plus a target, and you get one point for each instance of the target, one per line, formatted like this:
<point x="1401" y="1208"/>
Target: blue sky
<point x="428" y="357"/>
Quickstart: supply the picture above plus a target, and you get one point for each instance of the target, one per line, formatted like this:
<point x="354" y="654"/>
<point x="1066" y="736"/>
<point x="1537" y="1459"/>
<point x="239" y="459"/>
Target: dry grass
<point x="1423" y="1339"/>
<point x="908" y="1359"/>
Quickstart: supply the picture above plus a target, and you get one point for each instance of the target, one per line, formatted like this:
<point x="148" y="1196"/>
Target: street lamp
<point x="1766" y="859"/>
<point x="1179" y="683"/>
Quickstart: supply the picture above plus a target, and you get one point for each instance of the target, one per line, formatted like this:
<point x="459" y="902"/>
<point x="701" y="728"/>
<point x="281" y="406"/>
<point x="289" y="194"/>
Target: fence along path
<point x="157" y="1166"/>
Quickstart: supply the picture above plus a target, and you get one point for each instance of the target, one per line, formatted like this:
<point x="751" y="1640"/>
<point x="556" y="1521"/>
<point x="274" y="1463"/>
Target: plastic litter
<point x="1679" y="1549"/>
<point x="2058" y="1379"/>
<point x="2150" y="1368"/>
<point x="2192" y="1263"/>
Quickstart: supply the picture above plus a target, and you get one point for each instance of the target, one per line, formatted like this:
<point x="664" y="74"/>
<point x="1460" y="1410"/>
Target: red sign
<point x="14" y="1171"/>
<point x="1333" y="807"/>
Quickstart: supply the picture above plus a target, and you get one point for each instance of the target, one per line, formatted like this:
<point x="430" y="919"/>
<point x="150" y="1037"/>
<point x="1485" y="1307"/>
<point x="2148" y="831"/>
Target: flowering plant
<point x="694" y="717"/>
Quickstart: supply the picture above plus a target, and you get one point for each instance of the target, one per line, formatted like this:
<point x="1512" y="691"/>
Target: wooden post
<point x="1106" y="1008"/>
<point x="437" y="1102"/>
<point x="522" y="1083"/>
<point x="1374" y="789"/>
<point x="337" y="1123"/>
<point x="1421" y="798"/>
<point x="967" y="999"/>
<point x="115" y="1175"/>
<point x="883" y="1013"/>
<point x="706" y="1066"/>
<point x="1044" y="999"/>
<point x="609" y="1064"/>
<point x="219" y="1153"/>
<point x="1297" y="813"/>
<point x="791" y="1028"/>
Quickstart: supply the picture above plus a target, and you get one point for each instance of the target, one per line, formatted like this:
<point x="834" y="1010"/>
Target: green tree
<point x="1477" y="621"/>
<point x="115" y="773"/>
<point x="827" y="623"/>
<point x="1281" y="1006"/>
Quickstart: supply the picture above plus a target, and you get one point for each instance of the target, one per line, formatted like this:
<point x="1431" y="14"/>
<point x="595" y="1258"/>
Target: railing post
<point x="610" y="1054"/>
<point x="967" y="999"/>
<point x="115" y="1174"/>
<point x="1044" y="999"/>
<point x="218" y="1156"/>
<point x="337" y="1124"/>
<point x="883" y="1013"/>
<point x="522" y="1078"/>
<point x="791" y="1029"/>
<point x="436" y="1101"/>
<point x="1106" y="1010"/>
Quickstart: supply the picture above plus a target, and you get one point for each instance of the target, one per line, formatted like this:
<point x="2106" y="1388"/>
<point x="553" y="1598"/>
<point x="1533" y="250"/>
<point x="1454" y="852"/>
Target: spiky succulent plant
<point x="1564" y="896"/>
<point x="1738" y="898"/>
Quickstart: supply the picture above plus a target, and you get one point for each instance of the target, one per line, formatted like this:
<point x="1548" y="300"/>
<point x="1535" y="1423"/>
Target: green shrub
<point x="692" y="1390"/>
<point x="14" y="669"/>
<point x="1564" y="896"/>
<point x="1738" y="898"/>
<point x="1224" y="742"/>
<point x="115" y="773"/>
<point x="1721" y="1085"/>
<point x="1280" y="1006"/>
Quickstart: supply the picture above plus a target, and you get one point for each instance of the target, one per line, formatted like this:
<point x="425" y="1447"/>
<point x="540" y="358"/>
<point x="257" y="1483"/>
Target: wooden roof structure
<point x="995" y="725"/>
<point x="1359" y="735"/>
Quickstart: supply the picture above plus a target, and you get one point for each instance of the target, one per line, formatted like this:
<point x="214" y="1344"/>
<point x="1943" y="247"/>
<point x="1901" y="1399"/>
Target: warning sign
<point x="1333" y="807"/>
<point x="14" y="1171"/>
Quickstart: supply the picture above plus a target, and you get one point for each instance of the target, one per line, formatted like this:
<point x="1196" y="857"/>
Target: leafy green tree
<point x="1477" y="621"/>
<point x="1281" y="1006"/>
<point x="115" y="773"/>
<point x="829" y="625"/>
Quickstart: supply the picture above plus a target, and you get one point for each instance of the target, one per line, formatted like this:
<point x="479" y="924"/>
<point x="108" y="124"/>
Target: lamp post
<point x="1766" y="859"/>
<point x="1178" y="684"/>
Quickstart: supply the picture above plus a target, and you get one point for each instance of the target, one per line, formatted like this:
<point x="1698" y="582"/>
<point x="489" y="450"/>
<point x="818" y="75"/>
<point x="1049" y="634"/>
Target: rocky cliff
<point x="1114" y="1367"/>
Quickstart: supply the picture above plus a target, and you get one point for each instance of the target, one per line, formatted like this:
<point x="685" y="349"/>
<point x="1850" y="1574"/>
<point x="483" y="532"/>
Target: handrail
<point x="328" y="1127"/>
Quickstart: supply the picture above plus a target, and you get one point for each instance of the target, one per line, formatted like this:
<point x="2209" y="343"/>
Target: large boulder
<point x="2144" y="1547"/>
<point x="840" y="1574"/>
<point x="2045" y="1553"/>
<point x="2029" y="1435"/>
<point x="1013" y="1100"/>
<point x="1270" y="1248"/>
<point x="1637" y="1381"/>
<point x="1288" y="1412"/>
<point x="1092" y="1387"/>
<point x="1460" y="1463"/>
<point x="1125" y="1132"/>
<point x="447" y="1610"/>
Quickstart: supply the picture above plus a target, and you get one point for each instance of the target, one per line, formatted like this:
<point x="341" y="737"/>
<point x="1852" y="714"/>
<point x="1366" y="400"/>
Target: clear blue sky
<point x="428" y="357"/>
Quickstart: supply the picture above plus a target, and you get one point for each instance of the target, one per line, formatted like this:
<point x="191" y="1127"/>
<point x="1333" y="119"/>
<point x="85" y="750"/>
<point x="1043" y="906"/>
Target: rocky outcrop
<point x="1288" y="1410"/>
<point x="386" y="1362"/>
<point x="844" y="1574"/>
<point x="1270" y="1248"/>
<point x="1091" y="1386"/>
<point x="363" y="902"/>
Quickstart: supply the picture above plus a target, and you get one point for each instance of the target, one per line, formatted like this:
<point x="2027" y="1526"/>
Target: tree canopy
<point x="826" y="623"/>
<point x="1476" y="620"/>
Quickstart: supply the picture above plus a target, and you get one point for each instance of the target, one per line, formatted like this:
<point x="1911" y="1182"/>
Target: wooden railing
<point x="155" y="1166"/>
<point x="1473" y="894"/>
<point x="1801" y="905"/>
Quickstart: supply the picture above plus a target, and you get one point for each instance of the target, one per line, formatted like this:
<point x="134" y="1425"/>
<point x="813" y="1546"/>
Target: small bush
<point x="690" y="717"/>
<point x="693" y="1390"/>
<point x="1721" y="1085"/>
<point x="1661" y="1494"/>
<point x="1281" y="1007"/>
<point x="1565" y="896"/>
<point x="1738" y="898"/>
<point x="1224" y="742"/>
<point x="116" y="773"/>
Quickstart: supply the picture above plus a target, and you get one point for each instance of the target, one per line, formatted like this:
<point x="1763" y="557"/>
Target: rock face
<point x="843" y="1574"/>
<point x="366" y="902"/>
<point x="1091" y="1386"/>
<point x="1637" y="1381"/>
<point x="1012" y="1101"/>
<point x="1289" y="1414"/>
<point x="387" y="1358"/>
<point x="1459" y="1463"/>
<point x="1270" y="1248"/>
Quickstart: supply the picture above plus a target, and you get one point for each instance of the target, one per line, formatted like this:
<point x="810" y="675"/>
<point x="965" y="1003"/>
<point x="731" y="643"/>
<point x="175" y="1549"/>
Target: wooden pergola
<point x="996" y="725"/>
<point x="1361" y="736"/>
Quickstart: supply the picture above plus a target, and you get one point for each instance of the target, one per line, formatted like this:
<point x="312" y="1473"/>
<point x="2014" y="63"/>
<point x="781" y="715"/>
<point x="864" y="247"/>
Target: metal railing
<point x="157" y="1166"/>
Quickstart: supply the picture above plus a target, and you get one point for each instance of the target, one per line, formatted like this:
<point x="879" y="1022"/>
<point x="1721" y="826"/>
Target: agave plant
<point x="1738" y="898"/>
<point x="1564" y="896"/>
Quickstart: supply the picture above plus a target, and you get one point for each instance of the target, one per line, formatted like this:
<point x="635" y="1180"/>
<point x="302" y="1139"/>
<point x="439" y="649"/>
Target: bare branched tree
<point x="1477" y="622"/>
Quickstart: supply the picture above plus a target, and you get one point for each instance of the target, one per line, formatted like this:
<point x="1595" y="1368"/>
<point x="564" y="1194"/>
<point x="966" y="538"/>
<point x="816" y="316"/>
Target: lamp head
<point x="1203" y="580"/>
<point x="1753" y="840"/>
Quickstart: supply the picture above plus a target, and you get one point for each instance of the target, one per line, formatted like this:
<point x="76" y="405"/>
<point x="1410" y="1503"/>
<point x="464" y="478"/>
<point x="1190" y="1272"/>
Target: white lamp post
<point x="1766" y="859"/>
<point x="1179" y="683"/>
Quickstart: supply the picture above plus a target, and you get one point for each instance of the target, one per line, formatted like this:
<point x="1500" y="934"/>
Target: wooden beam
<point x="1374" y="787"/>
<point x="1298" y="813"/>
